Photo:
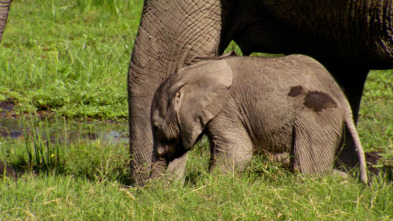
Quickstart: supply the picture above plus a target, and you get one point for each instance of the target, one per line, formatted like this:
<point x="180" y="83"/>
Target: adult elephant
<point x="348" y="37"/>
<point x="4" y="8"/>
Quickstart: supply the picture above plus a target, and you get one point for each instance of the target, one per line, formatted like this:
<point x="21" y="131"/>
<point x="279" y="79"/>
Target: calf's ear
<point x="203" y="94"/>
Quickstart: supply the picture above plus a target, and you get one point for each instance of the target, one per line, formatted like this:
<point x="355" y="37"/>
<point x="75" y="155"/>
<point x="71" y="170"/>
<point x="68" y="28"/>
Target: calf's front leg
<point x="230" y="145"/>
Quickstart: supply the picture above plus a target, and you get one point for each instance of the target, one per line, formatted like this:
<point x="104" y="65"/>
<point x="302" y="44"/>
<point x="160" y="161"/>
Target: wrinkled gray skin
<point x="347" y="37"/>
<point x="287" y="106"/>
<point x="4" y="8"/>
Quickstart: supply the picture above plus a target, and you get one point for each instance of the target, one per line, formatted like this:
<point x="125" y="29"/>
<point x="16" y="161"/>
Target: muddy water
<point x="61" y="130"/>
<point x="58" y="129"/>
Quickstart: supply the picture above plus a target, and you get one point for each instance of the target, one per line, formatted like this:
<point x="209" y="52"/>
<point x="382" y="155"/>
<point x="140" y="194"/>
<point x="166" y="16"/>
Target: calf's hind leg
<point x="315" y="141"/>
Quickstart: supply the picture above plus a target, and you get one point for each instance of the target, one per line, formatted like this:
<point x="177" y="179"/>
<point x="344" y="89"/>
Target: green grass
<point x="91" y="187"/>
<point x="376" y="119"/>
<point x="71" y="57"/>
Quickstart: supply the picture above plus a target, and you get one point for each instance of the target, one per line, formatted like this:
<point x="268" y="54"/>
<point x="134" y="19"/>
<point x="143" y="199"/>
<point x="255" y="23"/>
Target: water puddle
<point x="39" y="131"/>
<point x="58" y="130"/>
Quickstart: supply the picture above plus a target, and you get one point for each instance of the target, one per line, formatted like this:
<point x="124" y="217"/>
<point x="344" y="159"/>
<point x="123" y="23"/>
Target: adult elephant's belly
<point x="330" y="33"/>
<point x="367" y="53"/>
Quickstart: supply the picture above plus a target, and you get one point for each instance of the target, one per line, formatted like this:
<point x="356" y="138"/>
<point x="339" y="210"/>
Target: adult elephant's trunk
<point x="4" y="8"/>
<point x="171" y="33"/>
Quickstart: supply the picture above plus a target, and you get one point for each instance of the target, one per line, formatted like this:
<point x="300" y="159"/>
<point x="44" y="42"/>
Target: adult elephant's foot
<point x="340" y="173"/>
<point x="282" y="158"/>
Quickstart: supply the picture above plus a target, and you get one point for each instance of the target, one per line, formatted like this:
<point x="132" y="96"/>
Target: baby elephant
<point x="288" y="106"/>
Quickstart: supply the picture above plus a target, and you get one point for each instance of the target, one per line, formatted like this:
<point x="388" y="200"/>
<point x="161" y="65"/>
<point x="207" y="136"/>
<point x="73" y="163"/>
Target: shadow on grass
<point x="262" y="167"/>
<point x="376" y="169"/>
<point x="16" y="170"/>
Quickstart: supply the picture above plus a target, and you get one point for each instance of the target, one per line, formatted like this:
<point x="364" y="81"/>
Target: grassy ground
<point x="88" y="184"/>
<point x="71" y="57"/>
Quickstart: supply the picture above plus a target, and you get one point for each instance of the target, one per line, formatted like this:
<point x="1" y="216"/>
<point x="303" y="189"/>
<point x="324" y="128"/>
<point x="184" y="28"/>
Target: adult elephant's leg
<point x="170" y="34"/>
<point x="4" y="8"/>
<point x="351" y="79"/>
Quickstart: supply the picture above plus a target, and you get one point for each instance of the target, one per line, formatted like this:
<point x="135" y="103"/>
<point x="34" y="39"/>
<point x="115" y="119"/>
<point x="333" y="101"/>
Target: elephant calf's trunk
<point x="158" y="168"/>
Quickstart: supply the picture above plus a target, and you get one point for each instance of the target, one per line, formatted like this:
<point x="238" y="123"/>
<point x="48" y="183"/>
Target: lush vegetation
<point x="71" y="58"/>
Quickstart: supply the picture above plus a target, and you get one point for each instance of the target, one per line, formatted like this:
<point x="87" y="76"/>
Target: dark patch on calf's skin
<point x="319" y="101"/>
<point x="295" y="91"/>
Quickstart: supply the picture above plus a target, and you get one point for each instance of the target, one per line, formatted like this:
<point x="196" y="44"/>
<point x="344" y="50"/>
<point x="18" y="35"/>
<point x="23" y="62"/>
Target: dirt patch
<point x="7" y="108"/>
<point x="7" y="105"/>
<point x="377" y="169"/>
<point x="8" y="171"/>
